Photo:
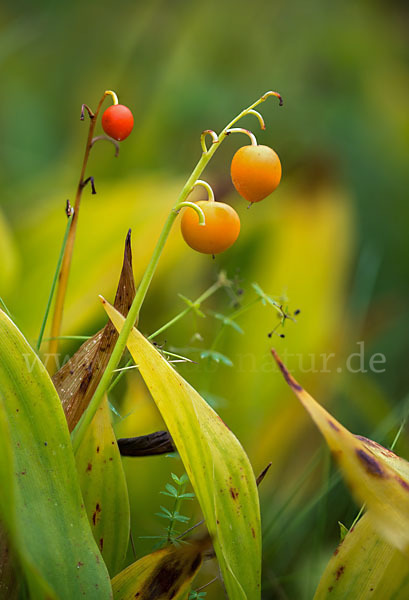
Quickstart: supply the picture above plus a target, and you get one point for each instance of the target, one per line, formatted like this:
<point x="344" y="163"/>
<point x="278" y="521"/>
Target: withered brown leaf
<point x="152" y="444"/>
<point x="78" y="379"/>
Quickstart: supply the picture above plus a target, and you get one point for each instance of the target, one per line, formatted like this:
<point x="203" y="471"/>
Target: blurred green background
<point x="332" y="238"/>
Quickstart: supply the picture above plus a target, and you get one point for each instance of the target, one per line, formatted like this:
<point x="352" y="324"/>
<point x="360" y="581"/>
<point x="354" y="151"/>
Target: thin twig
<point x="67" y="258"/>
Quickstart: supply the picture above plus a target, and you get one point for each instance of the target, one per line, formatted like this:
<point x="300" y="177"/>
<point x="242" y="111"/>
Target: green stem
<point x="119" y="376"/>
<point x="206" y="294"/>
<point x="209" y="292"/>
<point x="69" y="337"/>
<point x="176" y="507"/>
<point x="133" y="314"/>
<point x="233" y="317"/>
<point x="54" y="283"/>
<point x="6" y="310"/>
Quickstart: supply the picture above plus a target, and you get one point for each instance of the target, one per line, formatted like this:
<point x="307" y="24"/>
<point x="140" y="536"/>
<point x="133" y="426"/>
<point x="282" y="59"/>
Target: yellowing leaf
<point x="163" y="575"/>
<point x="104" y="489"/>
<point x="371" y="471"/>
<point x="216" y="463"/>
<point x="365" y="566"/>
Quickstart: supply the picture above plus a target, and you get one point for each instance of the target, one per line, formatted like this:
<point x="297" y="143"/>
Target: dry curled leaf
<point x="78" y="379"/>
<point x="159" y="442"/>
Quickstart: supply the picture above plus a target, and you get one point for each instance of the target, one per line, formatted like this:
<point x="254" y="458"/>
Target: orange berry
<point x="220" y="231"/>
<point x="255" y="172"/>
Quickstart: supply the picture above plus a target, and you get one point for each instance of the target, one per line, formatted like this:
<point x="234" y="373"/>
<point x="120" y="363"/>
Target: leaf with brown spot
<point x="365" y="566"/>
<point x="42" y="510"/>
<point x="78" y="379"/>
<point x="104" y="489"/>
<point x="375" y="475"/>
<point x="163" y="575"/>
<point x="216" y="463"/>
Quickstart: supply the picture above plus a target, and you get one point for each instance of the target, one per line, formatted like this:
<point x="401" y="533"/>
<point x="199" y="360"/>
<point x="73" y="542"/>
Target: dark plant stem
<point x="69" y="247"/>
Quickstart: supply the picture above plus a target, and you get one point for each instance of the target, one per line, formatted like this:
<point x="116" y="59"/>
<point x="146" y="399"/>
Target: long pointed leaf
<point x="373" y="476"/>
<point x="77" y="380"/>
<point x="50" y="521"/>
<point x="365" y="566"/>
<point x="216" y="463"/>
<point x="103" y="486"/>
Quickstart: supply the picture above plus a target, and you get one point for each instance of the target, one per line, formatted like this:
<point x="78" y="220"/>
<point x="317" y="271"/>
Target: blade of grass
<point x="54" y="283"/>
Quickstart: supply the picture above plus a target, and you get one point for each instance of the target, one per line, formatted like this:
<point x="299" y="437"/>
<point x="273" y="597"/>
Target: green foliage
<point x="332" y="239"/>
<point x="178" y="495"/>
<point x="45" y="519"/>
<point x="218" y="467"/>
<point x="197" y="595"/>
<point x="104" y="490"/>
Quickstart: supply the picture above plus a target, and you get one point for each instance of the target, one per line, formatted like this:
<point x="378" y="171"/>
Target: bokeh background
<point x="332" y="240"/>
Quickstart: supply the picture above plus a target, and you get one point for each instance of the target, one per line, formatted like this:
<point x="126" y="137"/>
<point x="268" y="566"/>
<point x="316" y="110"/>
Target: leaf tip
<point x="287" y="376"/>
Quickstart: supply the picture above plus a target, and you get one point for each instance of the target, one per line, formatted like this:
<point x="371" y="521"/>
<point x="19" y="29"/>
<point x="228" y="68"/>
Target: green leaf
<point x="265" y="298"/>
<point x="172" y="490"/>
<point x="217" y="466"/>
<point x="342" y="531"/>
<point x="193" y="305"/>
<point x="218" y="357"/>
<point x="104" y="489"/>
<point x="228" y="322"/>
<point x="365" y="566"/>
<point x="46" y="520"/>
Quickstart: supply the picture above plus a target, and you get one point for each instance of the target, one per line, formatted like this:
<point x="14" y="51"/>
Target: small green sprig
<point x="176" y="491"/>
<point x="194" y="595"/>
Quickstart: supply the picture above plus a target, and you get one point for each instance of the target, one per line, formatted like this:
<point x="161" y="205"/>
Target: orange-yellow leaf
<point x="163" y="575"/>
<point x="375" y="475"/>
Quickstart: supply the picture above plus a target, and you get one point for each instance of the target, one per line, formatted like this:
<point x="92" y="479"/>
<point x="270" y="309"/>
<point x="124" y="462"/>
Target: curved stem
<point x="267" y="95"/>
<point x="91" y="181"/>
<point x="259" y="117"/>
<point x="207" y="187"/>
<point x="106" y="138"/>
<point x="196" y="208"/>
<point x="213" y="135"/>
<point x="69" y="248"/>
<point x="113" y="95"/>
<point x="133" y="314"/>
<point x="246" y="131"/>
<point x="84" y="108"/>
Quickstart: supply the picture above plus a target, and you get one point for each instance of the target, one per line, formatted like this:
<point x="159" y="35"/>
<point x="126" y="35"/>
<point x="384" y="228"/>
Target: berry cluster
<point x="255" y="173"/>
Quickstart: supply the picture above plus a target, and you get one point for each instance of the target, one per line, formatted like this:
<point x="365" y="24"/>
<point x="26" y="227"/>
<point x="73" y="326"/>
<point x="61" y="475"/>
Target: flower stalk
<point x="133" y="314"/>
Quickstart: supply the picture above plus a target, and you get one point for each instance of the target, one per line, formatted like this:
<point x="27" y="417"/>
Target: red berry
<point x="117" y="121"/>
